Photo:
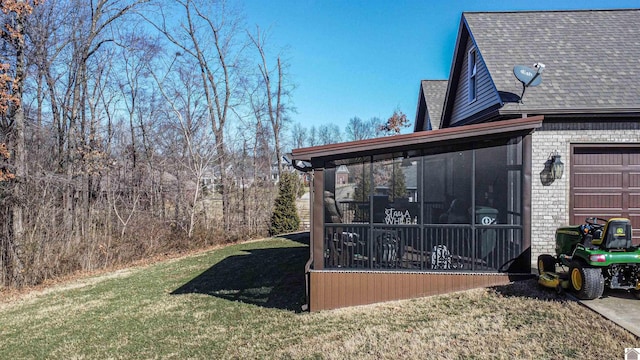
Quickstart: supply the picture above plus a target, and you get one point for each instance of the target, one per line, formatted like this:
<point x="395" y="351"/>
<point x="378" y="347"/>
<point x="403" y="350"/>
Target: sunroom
<point x="419" y="214"/>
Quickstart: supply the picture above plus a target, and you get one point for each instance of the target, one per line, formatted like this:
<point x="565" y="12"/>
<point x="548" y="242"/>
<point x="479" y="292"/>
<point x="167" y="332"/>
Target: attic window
<point x="472" y="75"/>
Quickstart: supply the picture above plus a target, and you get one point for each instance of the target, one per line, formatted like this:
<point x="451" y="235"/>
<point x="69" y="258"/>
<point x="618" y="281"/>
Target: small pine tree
<point x="285" y="214"/>
<point x="362" y="192"/>
<point x="397" y="182"/>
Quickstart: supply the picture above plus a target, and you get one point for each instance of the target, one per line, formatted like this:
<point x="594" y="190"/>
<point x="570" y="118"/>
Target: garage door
<point x="605" y="182"/>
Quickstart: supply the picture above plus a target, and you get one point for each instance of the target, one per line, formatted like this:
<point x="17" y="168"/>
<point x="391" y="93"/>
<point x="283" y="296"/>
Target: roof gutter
<point x="416" y="140"/>
<point x="573" y="112"/>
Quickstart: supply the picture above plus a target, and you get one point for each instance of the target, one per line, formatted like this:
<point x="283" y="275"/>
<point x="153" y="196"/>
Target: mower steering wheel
<point x="595" y="221"/>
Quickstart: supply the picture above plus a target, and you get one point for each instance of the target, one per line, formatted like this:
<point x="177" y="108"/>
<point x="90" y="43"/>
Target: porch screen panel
<point x="498" y="205"/>
<point x="447" y="200"/>
<point x="347" y="190"/>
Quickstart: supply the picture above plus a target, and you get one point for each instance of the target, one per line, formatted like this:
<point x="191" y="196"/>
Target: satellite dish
<point x="528" y="76"/>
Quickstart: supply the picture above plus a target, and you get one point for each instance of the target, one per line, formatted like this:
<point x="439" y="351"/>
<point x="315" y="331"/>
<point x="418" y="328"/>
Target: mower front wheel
<point x="546" y="263"/>
<point x="588" y="283"/>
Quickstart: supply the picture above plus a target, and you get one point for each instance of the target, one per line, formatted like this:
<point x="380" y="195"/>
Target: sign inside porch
<point x="393" y="216"/>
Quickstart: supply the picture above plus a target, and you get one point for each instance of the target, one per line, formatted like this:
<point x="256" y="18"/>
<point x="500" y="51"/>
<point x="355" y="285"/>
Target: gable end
<point x="472" y="96"/>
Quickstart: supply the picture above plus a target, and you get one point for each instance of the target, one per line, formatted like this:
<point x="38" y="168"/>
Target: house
<point x="430" y="102"/>
<point x="285" y="165"/>
<point x="342" y="175"/>
<point x="631" y="354"/>
<point x="486" y="152"/>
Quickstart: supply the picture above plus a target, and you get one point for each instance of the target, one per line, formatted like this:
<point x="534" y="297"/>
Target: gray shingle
<point x="434" y="92"/>
<point x="592" y="57"/>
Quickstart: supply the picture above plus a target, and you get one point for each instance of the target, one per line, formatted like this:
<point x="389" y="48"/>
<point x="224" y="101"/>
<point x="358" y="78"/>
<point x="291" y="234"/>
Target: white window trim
<point x="473" y="74"/>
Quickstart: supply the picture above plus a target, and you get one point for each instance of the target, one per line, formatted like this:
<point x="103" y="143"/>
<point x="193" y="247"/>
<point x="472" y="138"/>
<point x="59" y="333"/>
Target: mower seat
<point x="617" y="235"/>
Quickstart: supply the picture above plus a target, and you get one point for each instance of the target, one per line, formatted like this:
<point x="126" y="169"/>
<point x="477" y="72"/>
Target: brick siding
<point x="550" y="204"/>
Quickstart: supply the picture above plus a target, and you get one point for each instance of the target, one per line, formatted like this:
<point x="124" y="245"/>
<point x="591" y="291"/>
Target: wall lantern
<point x="558" y="166"/>
<point x="553" y="169"/>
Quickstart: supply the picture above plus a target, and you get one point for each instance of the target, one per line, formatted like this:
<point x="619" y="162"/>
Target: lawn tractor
<point x="598" y="254"/>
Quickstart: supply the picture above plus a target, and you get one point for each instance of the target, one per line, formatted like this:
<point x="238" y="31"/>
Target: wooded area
<point x="130" y="128"/>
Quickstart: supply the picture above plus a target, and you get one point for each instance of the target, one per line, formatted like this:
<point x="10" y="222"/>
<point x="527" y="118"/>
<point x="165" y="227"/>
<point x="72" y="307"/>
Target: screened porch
<point x="454" y="208"/>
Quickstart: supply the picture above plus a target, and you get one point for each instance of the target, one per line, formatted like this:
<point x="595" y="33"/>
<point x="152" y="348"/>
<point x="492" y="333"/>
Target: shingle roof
<point x="434" y="92"/>
<point x="592" y="58"/>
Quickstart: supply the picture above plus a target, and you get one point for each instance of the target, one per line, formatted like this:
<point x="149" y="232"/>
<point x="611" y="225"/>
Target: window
<point x="472" y="75"/>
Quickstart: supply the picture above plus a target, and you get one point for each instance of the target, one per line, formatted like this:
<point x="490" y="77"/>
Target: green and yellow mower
<point x="598" y="254"/>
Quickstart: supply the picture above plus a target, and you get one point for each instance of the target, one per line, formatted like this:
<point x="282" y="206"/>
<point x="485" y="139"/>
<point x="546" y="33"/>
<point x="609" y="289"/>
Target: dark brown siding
<point x="605" y="182"/>
<point x="317" y="222"/>
<point x="336" y="289"/>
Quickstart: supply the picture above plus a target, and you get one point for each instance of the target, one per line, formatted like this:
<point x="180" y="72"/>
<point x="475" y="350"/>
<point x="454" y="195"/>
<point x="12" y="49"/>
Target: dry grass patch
<point x="514" y="321"/>
<point x="238" y="302"/>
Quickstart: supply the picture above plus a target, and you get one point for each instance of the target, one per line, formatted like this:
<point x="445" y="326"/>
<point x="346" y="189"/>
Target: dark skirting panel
<point x="336" y="289"/>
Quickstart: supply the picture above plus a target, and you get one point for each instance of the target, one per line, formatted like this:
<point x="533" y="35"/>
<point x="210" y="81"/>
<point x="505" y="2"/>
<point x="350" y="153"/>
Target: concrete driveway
<point x="618" y="306"/>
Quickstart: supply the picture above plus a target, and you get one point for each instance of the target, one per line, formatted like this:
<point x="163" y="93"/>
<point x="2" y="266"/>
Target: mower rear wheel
<point x="588" y="283"/>
<point x="546" y="263"/>
<point x="636" y="293"/>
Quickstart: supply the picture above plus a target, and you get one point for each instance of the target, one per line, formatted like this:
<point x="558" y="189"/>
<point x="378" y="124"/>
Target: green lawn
<point x="243" y="301"/>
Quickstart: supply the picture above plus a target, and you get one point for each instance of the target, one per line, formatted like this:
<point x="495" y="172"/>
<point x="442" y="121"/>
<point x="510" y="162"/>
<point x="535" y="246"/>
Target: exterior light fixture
<point x="546" y="175"/>
<point x="553" y="169"/>
<point x="558" y="166"/>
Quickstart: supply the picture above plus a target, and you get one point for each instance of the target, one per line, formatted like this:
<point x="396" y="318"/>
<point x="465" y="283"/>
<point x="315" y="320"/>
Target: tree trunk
<point x="19" y="159"/>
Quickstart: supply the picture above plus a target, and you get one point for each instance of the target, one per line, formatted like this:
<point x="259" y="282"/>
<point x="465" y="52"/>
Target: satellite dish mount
<point x="528" y="76"/>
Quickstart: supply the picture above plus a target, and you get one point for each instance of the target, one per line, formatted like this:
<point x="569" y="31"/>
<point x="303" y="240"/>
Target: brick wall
<point x="550" y="204"/>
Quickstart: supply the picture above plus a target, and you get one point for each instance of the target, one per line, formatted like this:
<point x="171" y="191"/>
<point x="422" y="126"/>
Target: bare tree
<point x="190" y="112"/>
<point x="275" y="91"/>
<point x="299" y="135"/>
<point x="209" y="33"/>
<point x="372" y="126"/>
<point x="12" y="79"/>
<point x="358" y="129"/>
<point x="136" y="51"/>
<point x="355" y="129"/>
<point x="312" y="139"/>
<point x="262" y="154"/>
<point x="329" y="134"/>
<point x="68" y="49"/>
<point x="68" y="55"/>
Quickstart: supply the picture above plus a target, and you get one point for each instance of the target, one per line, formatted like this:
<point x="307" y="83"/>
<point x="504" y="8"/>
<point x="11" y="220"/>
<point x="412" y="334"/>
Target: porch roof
<point x="389" y="144"/>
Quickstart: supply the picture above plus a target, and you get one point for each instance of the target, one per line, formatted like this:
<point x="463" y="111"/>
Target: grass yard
<point x="242" y="301"/>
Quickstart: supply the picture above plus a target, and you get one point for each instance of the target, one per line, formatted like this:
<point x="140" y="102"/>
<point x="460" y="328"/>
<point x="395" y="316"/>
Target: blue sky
<point x="366" y="58"/>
